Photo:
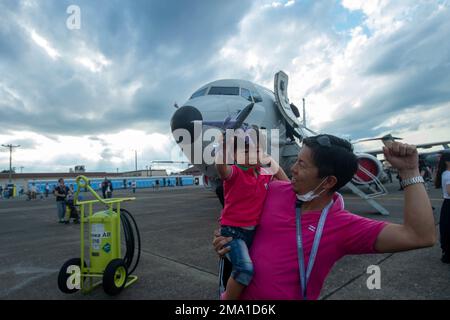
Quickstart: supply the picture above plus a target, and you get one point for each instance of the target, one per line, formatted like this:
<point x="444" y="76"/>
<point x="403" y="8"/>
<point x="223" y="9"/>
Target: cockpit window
<point x="256" y="96"/>
<point x="227" y="91"/>
<point x="199" y="93"/>
<point x="245" y="93"/>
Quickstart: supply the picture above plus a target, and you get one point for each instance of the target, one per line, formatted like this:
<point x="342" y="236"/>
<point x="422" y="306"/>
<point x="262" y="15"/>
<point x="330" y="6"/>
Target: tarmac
<point x="178" y="260"/>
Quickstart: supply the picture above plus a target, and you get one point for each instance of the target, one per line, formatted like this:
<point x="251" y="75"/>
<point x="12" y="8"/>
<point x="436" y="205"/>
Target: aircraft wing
<point x="444" y="144"/>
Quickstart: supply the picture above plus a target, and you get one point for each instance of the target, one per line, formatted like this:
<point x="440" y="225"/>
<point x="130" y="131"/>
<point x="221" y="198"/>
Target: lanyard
<point x="304" y="276"/>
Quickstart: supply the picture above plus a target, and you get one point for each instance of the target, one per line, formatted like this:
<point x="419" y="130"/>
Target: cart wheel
<point x="115" y="277"/>
<point x="65" y="284"/>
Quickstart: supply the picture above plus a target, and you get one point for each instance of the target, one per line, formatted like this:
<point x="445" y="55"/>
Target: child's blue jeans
<point x="239" y="257"/>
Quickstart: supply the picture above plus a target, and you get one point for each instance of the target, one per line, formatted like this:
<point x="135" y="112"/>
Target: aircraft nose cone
<point x="183" y="119"/>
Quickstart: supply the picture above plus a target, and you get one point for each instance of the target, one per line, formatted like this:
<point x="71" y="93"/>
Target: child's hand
<point x="267" y="161"/>
<point x="264" y="158"/>
<point x="275" y="169"/>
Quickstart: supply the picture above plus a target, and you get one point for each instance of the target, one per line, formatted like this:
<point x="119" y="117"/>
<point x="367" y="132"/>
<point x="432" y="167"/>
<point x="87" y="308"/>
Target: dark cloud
<point x="417" y="46"/>
<point x="161" y="44"/>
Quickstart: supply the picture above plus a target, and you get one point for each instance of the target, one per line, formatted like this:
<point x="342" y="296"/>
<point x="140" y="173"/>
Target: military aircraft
<point x="431" y="158"/>
<point x="230" y="102"/>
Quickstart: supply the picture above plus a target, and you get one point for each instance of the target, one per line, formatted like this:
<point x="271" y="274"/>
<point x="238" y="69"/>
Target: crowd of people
<point x="105" y="187"/>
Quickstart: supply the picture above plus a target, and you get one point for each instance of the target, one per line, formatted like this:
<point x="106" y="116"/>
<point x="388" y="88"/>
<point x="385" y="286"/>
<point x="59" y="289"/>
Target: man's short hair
<point x="333" y="156"/>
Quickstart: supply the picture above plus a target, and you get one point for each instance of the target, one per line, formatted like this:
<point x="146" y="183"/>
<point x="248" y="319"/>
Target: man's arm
<point x="219" y="243"/>
<point x="418" y="229"/>
<point x="58" y="194"/>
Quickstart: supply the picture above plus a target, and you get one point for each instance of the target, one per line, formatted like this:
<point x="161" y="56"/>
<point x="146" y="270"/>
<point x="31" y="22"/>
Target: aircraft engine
<point x="368" y="168"/>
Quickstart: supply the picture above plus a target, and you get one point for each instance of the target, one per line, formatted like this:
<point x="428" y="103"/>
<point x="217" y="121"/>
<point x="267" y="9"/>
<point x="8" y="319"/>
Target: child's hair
<point x="252" y="139"/>
<point x="252" y="134"/>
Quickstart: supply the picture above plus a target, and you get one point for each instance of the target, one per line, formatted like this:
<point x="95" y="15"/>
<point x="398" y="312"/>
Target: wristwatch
<point x="410" y="181"/>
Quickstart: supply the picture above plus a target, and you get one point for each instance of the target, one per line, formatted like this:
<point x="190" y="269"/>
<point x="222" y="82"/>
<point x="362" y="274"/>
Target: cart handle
<point x="83" y="182"/>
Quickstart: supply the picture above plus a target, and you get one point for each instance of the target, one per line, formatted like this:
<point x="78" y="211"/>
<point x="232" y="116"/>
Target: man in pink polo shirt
<point x="292" y="262"/>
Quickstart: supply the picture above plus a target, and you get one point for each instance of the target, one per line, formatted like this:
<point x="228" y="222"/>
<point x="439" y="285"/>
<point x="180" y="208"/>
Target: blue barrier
<point x="119" y="183"/>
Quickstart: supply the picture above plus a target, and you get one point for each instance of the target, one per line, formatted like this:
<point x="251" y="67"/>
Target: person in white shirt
<point x="443" y="181"/>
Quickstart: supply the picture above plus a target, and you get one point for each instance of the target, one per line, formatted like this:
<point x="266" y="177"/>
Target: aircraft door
<point x="281" y="82"/>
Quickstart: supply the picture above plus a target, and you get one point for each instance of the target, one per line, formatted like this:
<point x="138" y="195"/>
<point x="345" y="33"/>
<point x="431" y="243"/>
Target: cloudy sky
<point x="94" y="95"/>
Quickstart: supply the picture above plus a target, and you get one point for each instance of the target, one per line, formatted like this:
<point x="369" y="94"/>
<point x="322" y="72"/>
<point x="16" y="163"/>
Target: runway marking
<point x="178" y="262"/>
<point x="22" y="284"/>
<point x="19" y="209"/>
<point x="34" y="272"/>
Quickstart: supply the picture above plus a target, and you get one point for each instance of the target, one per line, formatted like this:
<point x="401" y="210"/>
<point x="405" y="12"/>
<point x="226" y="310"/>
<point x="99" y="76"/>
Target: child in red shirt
<point x="245" y="187"/>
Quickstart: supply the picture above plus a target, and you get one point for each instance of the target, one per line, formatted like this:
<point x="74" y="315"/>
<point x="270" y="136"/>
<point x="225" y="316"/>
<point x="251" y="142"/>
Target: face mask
<point x="310" y="195"/>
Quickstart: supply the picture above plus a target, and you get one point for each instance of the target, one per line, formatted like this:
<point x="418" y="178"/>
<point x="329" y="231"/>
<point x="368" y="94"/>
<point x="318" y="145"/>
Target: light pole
<point x="10" y="146"/>
<point x="146" y="168"/>
<point x="304" y="112"/>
